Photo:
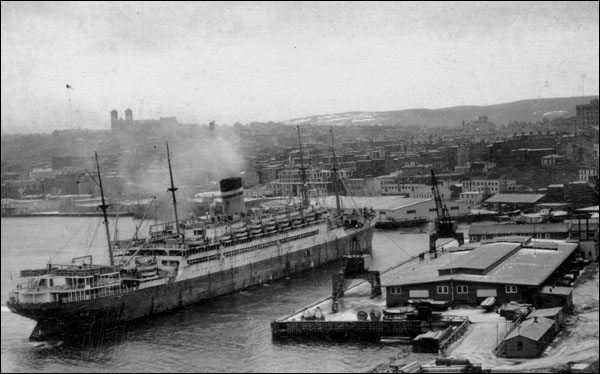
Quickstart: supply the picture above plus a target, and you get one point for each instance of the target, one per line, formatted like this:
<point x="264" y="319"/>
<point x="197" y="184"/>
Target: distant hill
<point x="501" y="114"/>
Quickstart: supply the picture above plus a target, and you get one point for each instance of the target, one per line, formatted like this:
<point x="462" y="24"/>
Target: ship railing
<point x="76" y="294"/>
<point x="103" y="292"/>
<point x="27" y="286"/>
<point x="68" y="270"/>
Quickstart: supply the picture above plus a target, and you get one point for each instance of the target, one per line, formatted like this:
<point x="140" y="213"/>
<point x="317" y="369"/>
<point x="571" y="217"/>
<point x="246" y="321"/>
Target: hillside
<point x="535" y="176"/>
<point x="524" y="111"/>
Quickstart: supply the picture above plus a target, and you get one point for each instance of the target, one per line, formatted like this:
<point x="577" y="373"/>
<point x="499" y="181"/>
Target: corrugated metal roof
<point x="515" y="198"/>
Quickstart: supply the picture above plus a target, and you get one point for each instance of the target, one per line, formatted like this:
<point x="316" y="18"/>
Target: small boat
<point x="146" y="267"/>
<point x="488" y="304"/>
<point x="397" y="313"/>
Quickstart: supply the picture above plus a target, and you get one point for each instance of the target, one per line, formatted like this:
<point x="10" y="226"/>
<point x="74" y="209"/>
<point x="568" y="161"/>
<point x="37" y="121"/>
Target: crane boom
<point x="445" y="227"/>
<point x="442" y="212"/>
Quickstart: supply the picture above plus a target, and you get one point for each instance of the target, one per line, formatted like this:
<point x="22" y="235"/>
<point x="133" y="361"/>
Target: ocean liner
<point x="184" y="262"/>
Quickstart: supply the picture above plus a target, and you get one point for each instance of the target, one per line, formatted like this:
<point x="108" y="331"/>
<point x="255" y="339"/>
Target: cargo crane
<point x="354" y="266"/>
<point x="445" y="227"/>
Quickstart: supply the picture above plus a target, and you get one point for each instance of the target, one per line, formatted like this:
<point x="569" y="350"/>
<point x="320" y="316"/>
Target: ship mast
<point x="335" y="176"/>
<point x="104" y="207"/>
<point x="303" y="170"/>
<point x="173" y="189"/>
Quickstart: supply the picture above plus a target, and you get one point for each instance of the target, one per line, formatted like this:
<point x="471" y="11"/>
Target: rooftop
<point x="377" y="203"/>
<point x="589" y="209"/>
<point x="545" y="312"/>
<point x="532" y="329"/>
<point x="515" y="229"/>
<point x="530" y="264"/>
<point x="482" y="258"/>
<point x="557" y="290"/>
<point x="514" y="198"/>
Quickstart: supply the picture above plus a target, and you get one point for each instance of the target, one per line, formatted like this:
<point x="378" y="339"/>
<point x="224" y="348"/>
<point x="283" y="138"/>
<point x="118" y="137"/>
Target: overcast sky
<point x="253" y="61"/>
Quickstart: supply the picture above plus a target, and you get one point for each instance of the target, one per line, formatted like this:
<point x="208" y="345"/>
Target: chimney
<point x="232" y="194"/>
<point x="534" y="319"/>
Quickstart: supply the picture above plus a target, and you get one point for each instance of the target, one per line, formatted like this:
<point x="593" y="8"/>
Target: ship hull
<point x="59" y="320"/>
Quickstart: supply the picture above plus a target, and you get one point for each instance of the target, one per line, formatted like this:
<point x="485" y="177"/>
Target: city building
<point x="397" y="208"/>
<point x="587" y="175"/>
<point x="363" y="186"/>
<point x="289" y="182"/>
<point x="552" y="160"/>
<point x="471" y="197"/>
<point x="129" y="124"/>
<point x="587" y="114"/>
<point x="488" y="186"/>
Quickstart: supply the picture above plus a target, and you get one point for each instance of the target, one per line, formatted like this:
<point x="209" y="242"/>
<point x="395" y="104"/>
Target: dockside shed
<point x="529" y="339"/>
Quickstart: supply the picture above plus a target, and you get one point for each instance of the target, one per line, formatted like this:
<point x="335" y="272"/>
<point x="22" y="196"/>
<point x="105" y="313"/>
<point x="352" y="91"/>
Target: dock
<point x="359" y="317"/>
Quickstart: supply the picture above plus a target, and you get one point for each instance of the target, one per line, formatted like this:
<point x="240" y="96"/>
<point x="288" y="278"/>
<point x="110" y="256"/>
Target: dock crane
<point x="355" y="265"/>
<point x="445" y="227"/>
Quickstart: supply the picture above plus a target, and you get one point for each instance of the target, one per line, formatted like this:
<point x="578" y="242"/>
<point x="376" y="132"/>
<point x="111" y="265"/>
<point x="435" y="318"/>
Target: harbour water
<point x="227" y="334"/>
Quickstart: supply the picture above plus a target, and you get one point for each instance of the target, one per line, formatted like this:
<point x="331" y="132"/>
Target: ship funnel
<point x="232" y="194"/>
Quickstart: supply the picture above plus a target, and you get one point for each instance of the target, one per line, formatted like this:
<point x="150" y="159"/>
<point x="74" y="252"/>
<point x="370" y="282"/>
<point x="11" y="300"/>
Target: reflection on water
<point x="229" y="333"/>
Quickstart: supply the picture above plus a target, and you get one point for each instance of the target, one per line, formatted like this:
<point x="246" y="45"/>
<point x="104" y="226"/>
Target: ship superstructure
<point x="186" y="261"/>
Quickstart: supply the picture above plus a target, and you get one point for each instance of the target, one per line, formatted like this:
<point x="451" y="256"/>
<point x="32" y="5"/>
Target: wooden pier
<point x="319" y="320"/>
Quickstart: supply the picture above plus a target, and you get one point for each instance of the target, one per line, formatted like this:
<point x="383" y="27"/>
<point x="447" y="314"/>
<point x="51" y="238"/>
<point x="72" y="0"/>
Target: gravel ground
<point x="577" y="342"/>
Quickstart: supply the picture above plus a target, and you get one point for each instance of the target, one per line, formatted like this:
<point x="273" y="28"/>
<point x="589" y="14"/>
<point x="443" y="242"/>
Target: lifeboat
<point x="296" y="219"/>
<point x="225" y="238"/>
<point x="268" y="225"/>
<point x="309" y="215"/>
<point x="241" y="235"/>
<point x="254" y="228"/>
<point x="238" y="227"/>
<point x="146" y="266"/>
<point x="282" y="221"/>
<point x="240" y="231"/>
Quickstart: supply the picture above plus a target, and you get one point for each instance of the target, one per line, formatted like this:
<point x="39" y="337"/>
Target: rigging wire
<point x="84" y="224"/>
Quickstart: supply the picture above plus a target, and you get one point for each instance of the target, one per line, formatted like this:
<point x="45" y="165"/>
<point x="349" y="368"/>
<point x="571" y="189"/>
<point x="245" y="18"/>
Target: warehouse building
<point x="512" y="201"/>
<point x="478" y="233"/>
<point x="509" y="269"/>
<point x="397" y="208"/>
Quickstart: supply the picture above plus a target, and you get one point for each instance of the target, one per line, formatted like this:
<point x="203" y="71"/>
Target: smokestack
<point x="232" y="194"/>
